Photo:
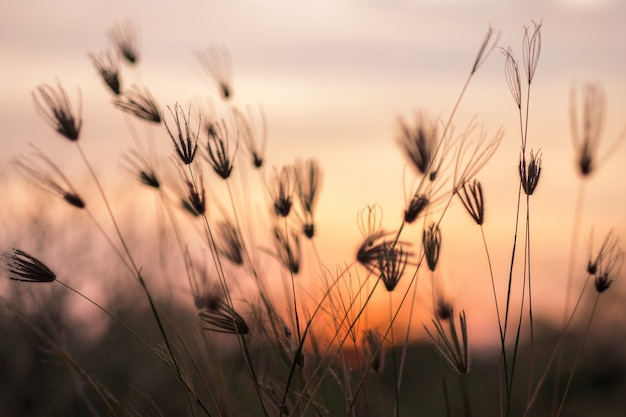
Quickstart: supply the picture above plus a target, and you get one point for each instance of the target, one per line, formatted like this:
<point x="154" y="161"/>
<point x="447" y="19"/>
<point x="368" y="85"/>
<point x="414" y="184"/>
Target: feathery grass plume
<point x="139" y="103"/>
<point x="281" y="189"/>
<point x="309" y="182"/>
<point x="228" y="243"/>
<point x="219" y="316"/>
<point x="108" y="66"/>
<point x="185" y="141"/>
<point x="416" y="206"/>
<point x="471" y="195"/>
<point x="588" y="138"/>
<point x="253" y="133"/>
<point x="511" y="72"/>
<point x="54" y="106"/>
<point x="20" y="266"/>
<point x="419" y="143"/>
<point x="431" y="239"/>
<point x="287" y="249"/>
<point x="216" y="63"/>
<point x="529" y="174"/>
<point x="454" y="350"/>
<point x="486" y="47"/>
<point x="140" y="168"/>
<point x="374" y="351"/>
<point x="531" y="49"/>
<point x="217" y="150"/>
<point x="124" y="37"/>
<point x="391" y="264"/>
<point x="42" y="172"/>
<point x="472" y="156"/>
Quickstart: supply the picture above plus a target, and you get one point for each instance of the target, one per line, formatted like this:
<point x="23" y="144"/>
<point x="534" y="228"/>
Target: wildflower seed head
<point x="282" y="188"/>
<point x="472" y="156"/>
<point x="309" y="230"/>
<point x="20" y="266"/>
<point x="607" y="263"/>
<point x="602" y="282"/>
<point x="42" y="172"/>
<point x="454" y="349"/>
<point x="511" y="71"/>
<point x="444" y="310"/>
<point x="195" y="200"/>
<point x="419" y="143"/>
<point x="486" y="47"/>
<point x="217" y="150"/>
<point x="139" y="103"/>
<point x="107" y="65"/>
<point x="374" y="351"/>
<point x="288" y="249"/>
<point x="417" y="205"/>
<point x="309" y="181"/>
<point x="54" y="106"/>
<point x="253" y="133"/>
<point x="530" y="173"/>
<point x="531" y="47"/>
<point x="216" y="63"/>
<point x="471" y="195"/>
<point x="124" y="38"/>
<point x="184" y="139"/>
<point x="229" y="243"/>
<point x="392" y="261"/>
<point x="587" y="135"/>
<point x="218" y="316"/>
<point x="431" y="239"/>
<point x="140" y="168"/>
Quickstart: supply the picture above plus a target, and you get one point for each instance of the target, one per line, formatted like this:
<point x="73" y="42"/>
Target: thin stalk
<point x="393" y="358"/>
<point x="577" y="357"/>
<point x="137" y="273"/>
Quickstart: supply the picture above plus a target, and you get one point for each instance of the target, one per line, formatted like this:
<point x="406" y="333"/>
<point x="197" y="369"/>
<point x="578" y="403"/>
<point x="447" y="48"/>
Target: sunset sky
<point x="333" y="78"/>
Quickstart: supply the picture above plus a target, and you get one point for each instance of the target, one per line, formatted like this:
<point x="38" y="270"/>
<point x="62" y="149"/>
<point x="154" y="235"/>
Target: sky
<point x="333" y="77"/>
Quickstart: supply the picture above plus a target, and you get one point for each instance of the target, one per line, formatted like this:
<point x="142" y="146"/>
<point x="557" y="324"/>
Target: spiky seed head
<point x="20" y="266"/>
<point x="124" y="37"/>
<point x="140" y="169"/>
<point x="444" y="309"/>
<point x="531" y="49"/>
<point x="217" y="150"/>
<point x="416" y="206"/>
<point x="431" y="239"/>
<point x="530" y="173"/>
<point x="511" y="71"/>
<point x="229" y="243"/>
<point x="471" y="195"/>
<point x="107" y="65"/>
<point x="392" y="261"/>
<point x="219" y="317"/>
<point x="139" y="103"/>
<point x="309" y="230"/>
<point x="216" y="62"/>
<point x="375" y="353"/>
<point x="54" y="106"/>
<point x="184" y="139"/>
<point x="419" y="143"/>
<point x="587" y="136"/>
<point x="282" y="188"/>
<point x="486" y="47"/>
<point x="602" y="282"/>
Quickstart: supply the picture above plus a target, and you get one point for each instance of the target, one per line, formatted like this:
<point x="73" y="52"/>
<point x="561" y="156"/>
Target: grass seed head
<point x="217" y="150"/>
<point x="431" y="238"/>
<point x="216" y="63"/>
<point x="20" y="266"/>
<point x="108" y="67"/>
<point x="124" y="37"/>
<point x="530" y="173"/>
<point x="471" y="195"/>
<point x="54" y="106"/>
<point x="139" y="103"/>
<point x="392" y="261"/>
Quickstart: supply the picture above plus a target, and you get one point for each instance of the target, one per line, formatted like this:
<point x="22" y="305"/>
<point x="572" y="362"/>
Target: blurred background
<point x="333" y="79"/>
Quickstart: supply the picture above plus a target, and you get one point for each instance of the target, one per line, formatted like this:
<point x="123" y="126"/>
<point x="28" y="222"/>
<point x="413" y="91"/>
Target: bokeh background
<point x="333" y="78"/>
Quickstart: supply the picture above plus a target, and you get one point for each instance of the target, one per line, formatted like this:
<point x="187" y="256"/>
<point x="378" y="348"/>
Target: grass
<point x="217" y="315"/>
